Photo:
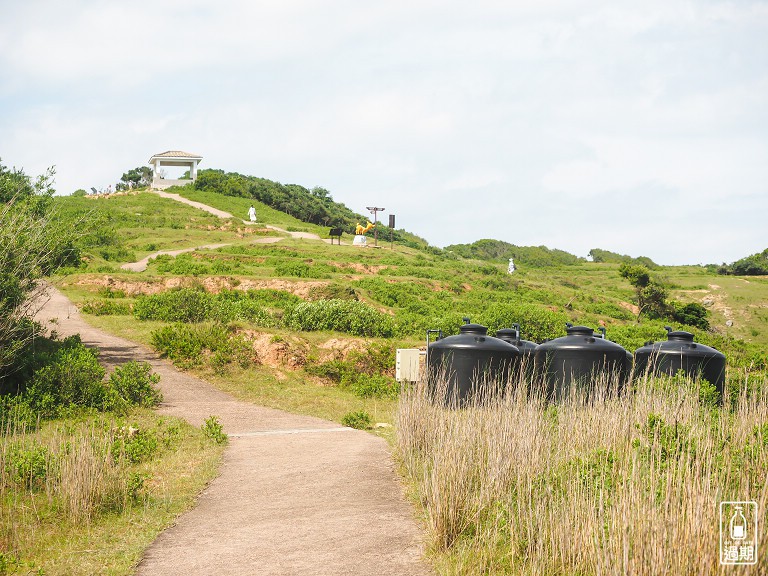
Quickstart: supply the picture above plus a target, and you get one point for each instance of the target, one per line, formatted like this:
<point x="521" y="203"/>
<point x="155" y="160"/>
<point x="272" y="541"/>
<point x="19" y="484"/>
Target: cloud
<point x="525" y="121"/>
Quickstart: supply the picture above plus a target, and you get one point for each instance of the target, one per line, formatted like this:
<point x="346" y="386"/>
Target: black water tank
<point x="512" y="335"/>
<point x="680" y="352"/>
<point x="526" y="347"/>
<point x="578" y="359"/>
<point x="629" y="358"/>
<point x="467" y="361"/>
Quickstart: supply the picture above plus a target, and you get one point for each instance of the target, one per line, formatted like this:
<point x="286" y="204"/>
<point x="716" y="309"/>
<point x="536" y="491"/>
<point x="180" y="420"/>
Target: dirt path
<point x="296" y="494"/>
<point x="142" y="264"/>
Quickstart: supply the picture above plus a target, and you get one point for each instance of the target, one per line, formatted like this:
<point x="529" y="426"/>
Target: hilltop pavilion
<point x="173" y="158"/>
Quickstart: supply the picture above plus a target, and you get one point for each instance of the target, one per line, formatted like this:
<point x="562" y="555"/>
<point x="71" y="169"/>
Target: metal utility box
<point x="407" y="364"/>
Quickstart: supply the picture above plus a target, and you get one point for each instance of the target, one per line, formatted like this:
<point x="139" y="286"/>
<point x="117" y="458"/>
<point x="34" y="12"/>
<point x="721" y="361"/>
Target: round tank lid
<point x="579" y="331"/>
<point x="510" y="333"/>
<point x="680" y="336"/>
<point x="473" y="329"/>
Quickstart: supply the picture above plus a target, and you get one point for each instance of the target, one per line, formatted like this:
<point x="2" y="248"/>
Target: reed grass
<point x="608" y="483"/>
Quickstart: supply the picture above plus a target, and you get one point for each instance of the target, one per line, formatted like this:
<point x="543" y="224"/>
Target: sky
<point x="636" y="127"/>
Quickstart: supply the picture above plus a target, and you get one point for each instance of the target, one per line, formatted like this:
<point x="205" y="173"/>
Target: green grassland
<point x="419" y="288"/>
<point x="238" y="207"/>
<point x="125" y="228"/>
<point x="312" y="328"/>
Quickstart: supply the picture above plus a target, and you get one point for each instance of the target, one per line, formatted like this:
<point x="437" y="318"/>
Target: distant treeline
<point x="498" y="250"/>
<point x="314" y="205"/>
<point x="539" y="256"/>
<point x="754" y="265"/>
<point x="599" y="255"/>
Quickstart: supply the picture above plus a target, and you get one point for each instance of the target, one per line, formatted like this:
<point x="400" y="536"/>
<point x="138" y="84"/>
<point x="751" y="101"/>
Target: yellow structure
<point x="360" y="229"/>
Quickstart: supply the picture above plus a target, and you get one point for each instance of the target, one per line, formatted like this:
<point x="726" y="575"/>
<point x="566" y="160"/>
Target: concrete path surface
<point x="296" y="494"/>
<point x="223" y="214"/>
<point x="142" y="264"/>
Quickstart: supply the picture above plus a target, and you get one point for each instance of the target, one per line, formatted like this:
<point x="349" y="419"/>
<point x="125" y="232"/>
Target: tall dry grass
<point x="622" y="484"/>
<point x="71" y="472"/>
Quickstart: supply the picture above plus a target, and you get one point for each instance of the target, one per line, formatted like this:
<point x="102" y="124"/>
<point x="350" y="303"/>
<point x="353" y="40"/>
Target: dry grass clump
<point x="624" y="484"/>
<point x="74" y="471"/>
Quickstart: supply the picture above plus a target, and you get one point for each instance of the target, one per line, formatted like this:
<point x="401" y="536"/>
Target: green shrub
<point x="692" y="314"/>
<point x="31" y="466"/>
<point x="106" y="308"/>
<point x="182" y="265"/>
<point x="537" y="323"/>
<point x="362" y="372"/>
<point x="136" y="384"/>
<point x="135" y="444"/>
<point x="360" y="420"/>
<point x="301" y="270"/>
<point x="182" y="305"/>
<point x="347" y="316"/>
<point x="189" y="345"/>
<point x="117" y="254"/>
<point x="73" y="379"/>
<point x="376" y="386"/>
<point x="213" y="429"/>
<point x="16" y="414"/>
<point x="107" y="292"/>
<point x="273" y="298"/>
<point x="190" y="305"/>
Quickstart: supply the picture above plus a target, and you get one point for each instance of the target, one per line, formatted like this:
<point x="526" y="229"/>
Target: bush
<point x="347" y="316"/>
<point x="106" y="308"/>
<point x="189" y="346"/>
<point x="135" y="444"/>
<point x="376" y="386"/>
<point x="181" y="265"/>
<point x="31" y="466"/>
<point x="537" y="323"/>
<point x="692" y="314"/>
<point x="301" y="270"/>
<point x="363" y="373"/>
<point x="183" y="305"/>
<point x="190" y="305"/>
<point x="73" y="379"/>
<point x="360" y="420"/>
<point x="136" y="384"/>
<point x="213" y="429"/>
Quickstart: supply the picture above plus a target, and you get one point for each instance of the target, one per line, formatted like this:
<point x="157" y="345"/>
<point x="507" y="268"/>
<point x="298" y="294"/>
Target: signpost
<point x="375" y="211"/>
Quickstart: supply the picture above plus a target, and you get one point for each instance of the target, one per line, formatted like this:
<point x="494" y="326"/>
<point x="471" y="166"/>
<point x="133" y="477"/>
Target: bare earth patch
<point x="213" y="284"/>
<point x="631" y="307"/>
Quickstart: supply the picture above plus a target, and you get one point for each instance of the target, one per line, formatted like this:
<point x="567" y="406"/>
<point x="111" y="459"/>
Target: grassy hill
<point x="419" y="288"/>
<point x="310" y="327"/>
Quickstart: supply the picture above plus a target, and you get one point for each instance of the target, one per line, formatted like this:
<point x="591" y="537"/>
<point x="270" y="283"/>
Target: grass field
<point x="513" y="487"/>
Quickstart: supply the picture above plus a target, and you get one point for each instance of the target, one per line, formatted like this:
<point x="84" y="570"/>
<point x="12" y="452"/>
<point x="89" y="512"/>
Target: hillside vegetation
<point x="754" y="265"/>
<point x="303" y="325"/>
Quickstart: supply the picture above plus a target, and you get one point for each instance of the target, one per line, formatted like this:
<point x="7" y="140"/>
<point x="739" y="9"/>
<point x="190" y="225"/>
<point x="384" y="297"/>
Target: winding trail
<point x="296" y="494"/>
<point x="142" y="264"/>
<point x="223" y="214"/>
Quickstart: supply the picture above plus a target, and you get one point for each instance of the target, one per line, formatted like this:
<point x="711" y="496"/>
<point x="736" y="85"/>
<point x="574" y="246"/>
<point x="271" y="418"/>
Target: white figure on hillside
<point x="511" y="267"/>
<point x="252" y="213"/>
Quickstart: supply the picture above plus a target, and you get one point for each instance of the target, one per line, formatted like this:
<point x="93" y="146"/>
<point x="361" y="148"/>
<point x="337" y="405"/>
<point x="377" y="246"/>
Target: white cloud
<point x="522" y="121"/>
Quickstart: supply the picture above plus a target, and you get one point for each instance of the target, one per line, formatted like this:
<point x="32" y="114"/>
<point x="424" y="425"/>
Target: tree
<point x="139" y="177"/>
<point x="33" y="243"/>
<point x="651" y="294"/>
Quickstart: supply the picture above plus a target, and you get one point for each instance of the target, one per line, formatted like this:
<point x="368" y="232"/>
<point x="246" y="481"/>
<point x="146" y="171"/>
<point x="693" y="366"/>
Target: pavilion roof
<point x="176" y="154"/>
